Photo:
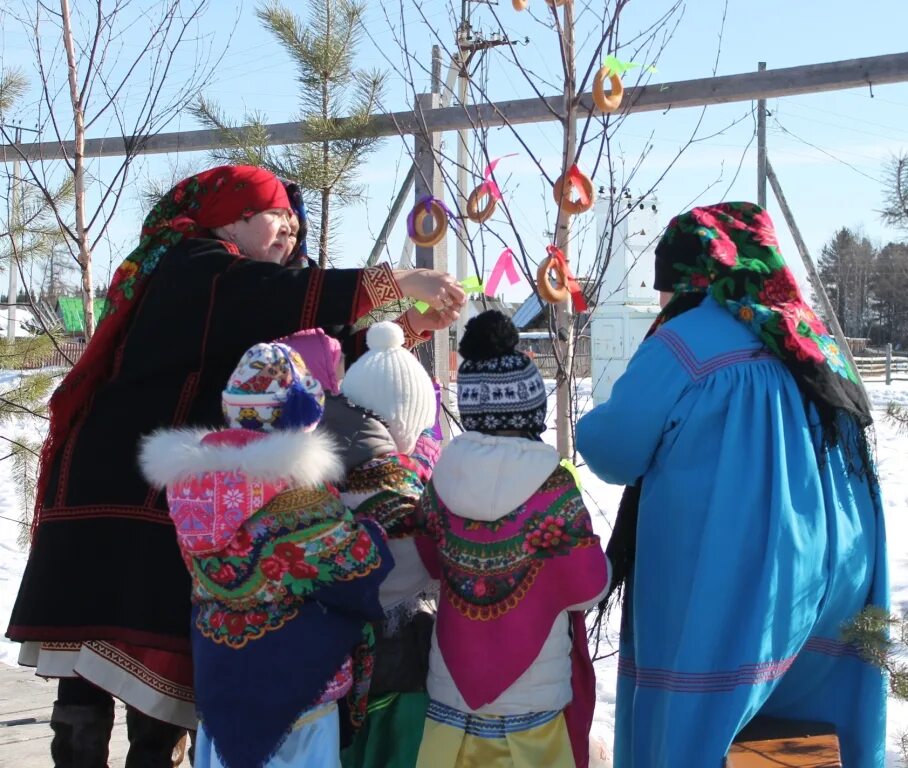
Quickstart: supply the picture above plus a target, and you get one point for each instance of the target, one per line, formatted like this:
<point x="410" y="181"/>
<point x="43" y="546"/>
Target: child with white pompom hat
<point x="387" y="419"/>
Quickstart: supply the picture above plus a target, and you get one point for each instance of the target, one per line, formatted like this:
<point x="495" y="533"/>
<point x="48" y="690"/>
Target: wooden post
<point x="761" y="146"/>
<point x="812" y="273"/>
<point x="888" y="364"/>
<point x="403" y="193"/>
<point x="463" y="260"/>
<point x="429" y="181"/>
<point x="564" y="316"/>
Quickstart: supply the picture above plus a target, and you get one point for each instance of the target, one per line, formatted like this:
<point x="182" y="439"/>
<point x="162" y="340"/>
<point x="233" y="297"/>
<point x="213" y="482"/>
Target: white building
<point x="628" y="303"/>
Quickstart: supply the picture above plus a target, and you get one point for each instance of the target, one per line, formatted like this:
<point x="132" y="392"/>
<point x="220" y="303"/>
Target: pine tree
<point x="846" y="267"/>
<point x="323" y="49"/>
<point x="895" y="192"/>
<point x="29" y="234"/>
<point x="889" y="292"/>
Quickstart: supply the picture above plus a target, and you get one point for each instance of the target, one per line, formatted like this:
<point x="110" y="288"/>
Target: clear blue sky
<point x="834" y="183"/>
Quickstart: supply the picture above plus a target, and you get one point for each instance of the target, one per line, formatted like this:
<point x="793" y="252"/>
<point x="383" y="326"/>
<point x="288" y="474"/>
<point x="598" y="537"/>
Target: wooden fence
<point x="889" y="366"/>
<point x="69" y="351"/>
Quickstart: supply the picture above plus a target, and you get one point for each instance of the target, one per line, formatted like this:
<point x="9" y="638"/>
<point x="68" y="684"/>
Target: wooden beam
<point x="749" y="86"/>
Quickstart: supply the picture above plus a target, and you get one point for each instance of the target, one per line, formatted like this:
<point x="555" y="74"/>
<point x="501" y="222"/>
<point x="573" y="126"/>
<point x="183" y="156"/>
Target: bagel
<point x="474" y="212"/>
<point x="568" y="205"/>
<point x="552" y="293"/>
<point x="439" y="224"/>
<point x="520" y="5"/>
<point x="607" y="102"/>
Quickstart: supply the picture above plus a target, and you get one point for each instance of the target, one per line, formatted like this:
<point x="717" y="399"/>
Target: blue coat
<point x="751" y="551"/>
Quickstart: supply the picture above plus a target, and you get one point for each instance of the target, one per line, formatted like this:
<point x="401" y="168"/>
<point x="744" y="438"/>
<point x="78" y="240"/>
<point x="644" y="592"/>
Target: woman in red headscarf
<point x="104" y="601"/>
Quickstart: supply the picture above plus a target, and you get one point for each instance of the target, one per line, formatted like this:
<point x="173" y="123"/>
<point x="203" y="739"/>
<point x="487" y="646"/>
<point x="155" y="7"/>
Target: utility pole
<point x="564" y="320"/>
<point x="463" y="57"/>
<point x="761" y="146"/>
<point x="468" y="45"/>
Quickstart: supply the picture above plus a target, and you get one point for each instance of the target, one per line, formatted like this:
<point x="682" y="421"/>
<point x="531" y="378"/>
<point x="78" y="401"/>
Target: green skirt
<point x="391" y="734"/>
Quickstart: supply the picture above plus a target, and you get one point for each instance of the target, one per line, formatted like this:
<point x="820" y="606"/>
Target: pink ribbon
<point x="489" y="185"/>
<point x="504" y="267"/>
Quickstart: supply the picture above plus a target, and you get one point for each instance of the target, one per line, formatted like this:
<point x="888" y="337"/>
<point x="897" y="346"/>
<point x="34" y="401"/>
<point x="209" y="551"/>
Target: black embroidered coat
<point x="105" y="563"/>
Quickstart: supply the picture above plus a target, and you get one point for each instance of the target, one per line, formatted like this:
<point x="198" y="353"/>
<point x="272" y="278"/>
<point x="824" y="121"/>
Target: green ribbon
<point x="471" y="284"/>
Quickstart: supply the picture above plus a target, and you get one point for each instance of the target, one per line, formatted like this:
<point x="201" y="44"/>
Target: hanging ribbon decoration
<point x="440" y="213"/>
<point x="488" y="189"/>
<point x="504" y="267"/>
<point x="579" y="182"/>
<point x="558" y="262"/>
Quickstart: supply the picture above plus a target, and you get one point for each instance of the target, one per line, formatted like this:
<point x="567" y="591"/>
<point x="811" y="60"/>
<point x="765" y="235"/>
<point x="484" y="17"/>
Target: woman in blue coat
<point x="752" y="530"/>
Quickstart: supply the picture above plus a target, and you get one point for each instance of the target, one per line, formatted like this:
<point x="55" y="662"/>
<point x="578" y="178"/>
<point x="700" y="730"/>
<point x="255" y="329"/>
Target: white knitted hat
<point x="389" y="381"/>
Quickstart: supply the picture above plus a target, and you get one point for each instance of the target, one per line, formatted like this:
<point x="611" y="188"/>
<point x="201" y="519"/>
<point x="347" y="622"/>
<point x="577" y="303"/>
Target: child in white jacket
<point x="513" y="545"/>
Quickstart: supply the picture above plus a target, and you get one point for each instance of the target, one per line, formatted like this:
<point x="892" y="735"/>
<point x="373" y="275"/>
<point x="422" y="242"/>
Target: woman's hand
<point x="431" y="319"/>
<point x="438" y="289"/>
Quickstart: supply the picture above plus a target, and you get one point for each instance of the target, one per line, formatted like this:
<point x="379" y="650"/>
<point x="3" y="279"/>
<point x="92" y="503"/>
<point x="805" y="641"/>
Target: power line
<point x="825" y="152"/>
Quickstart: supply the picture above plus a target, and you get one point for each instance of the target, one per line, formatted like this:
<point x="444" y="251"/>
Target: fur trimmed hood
<point x="300" y="458"/>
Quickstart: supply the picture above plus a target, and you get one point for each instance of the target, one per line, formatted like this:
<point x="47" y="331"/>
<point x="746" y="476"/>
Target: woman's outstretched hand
<point x="431" y="319"/>
<point x="438" y="289"/>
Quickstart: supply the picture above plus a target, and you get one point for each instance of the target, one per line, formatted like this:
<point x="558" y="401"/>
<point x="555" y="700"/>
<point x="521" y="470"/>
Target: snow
<point x="602" y="500"/>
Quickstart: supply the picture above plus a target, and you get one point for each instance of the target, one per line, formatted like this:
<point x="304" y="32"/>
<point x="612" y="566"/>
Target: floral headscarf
<point x="192" y="208"/>
<point x="730" y="252"/>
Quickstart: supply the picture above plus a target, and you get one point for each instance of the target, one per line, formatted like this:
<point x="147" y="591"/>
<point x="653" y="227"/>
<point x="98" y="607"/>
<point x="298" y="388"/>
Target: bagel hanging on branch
<point x="474" y="212"/>
<point x="428" y="207"/>
<point x="574" y="179"/>
<point x="520" y="5"/>
<point x="553" y="293"/>
<point x="607" y="102"/>
<point x="566" y="285"/>
<point x="488" y="189"/>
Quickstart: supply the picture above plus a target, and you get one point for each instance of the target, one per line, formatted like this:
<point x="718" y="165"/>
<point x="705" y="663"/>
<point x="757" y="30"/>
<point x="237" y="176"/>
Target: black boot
<point x="81" y="735"/>
<point x="151" y="742"/>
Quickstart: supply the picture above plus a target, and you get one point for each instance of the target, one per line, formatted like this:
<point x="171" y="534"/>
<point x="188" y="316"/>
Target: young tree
<point x="323" y="49"/>
<point x="573" y="43"/>
<point x="103" y="66"/>
<point x="846" y="267"/>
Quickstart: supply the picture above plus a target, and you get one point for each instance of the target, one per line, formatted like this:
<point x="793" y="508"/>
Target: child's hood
<point x="483" y="477"/>
<point x="301" y="459"/>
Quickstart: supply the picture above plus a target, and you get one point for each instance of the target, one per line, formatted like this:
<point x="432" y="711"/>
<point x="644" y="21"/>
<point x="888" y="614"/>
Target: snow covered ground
<point x="602" y="499"/>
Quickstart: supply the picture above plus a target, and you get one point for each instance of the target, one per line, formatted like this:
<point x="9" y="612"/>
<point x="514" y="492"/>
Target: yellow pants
<point x="454" y="739"/>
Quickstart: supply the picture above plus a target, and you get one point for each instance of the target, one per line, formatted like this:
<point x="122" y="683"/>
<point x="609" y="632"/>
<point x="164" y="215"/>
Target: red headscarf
<point x="192" y="208"/>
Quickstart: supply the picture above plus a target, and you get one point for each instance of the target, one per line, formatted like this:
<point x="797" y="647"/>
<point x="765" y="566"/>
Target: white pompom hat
<point x="389" y="381"/>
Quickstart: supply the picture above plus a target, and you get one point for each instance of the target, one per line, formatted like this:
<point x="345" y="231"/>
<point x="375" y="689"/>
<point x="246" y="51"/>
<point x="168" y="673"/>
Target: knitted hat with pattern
<point x="389" y="381"/>
<point x="271" y="389"/>
<point x="498" y="387"/>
